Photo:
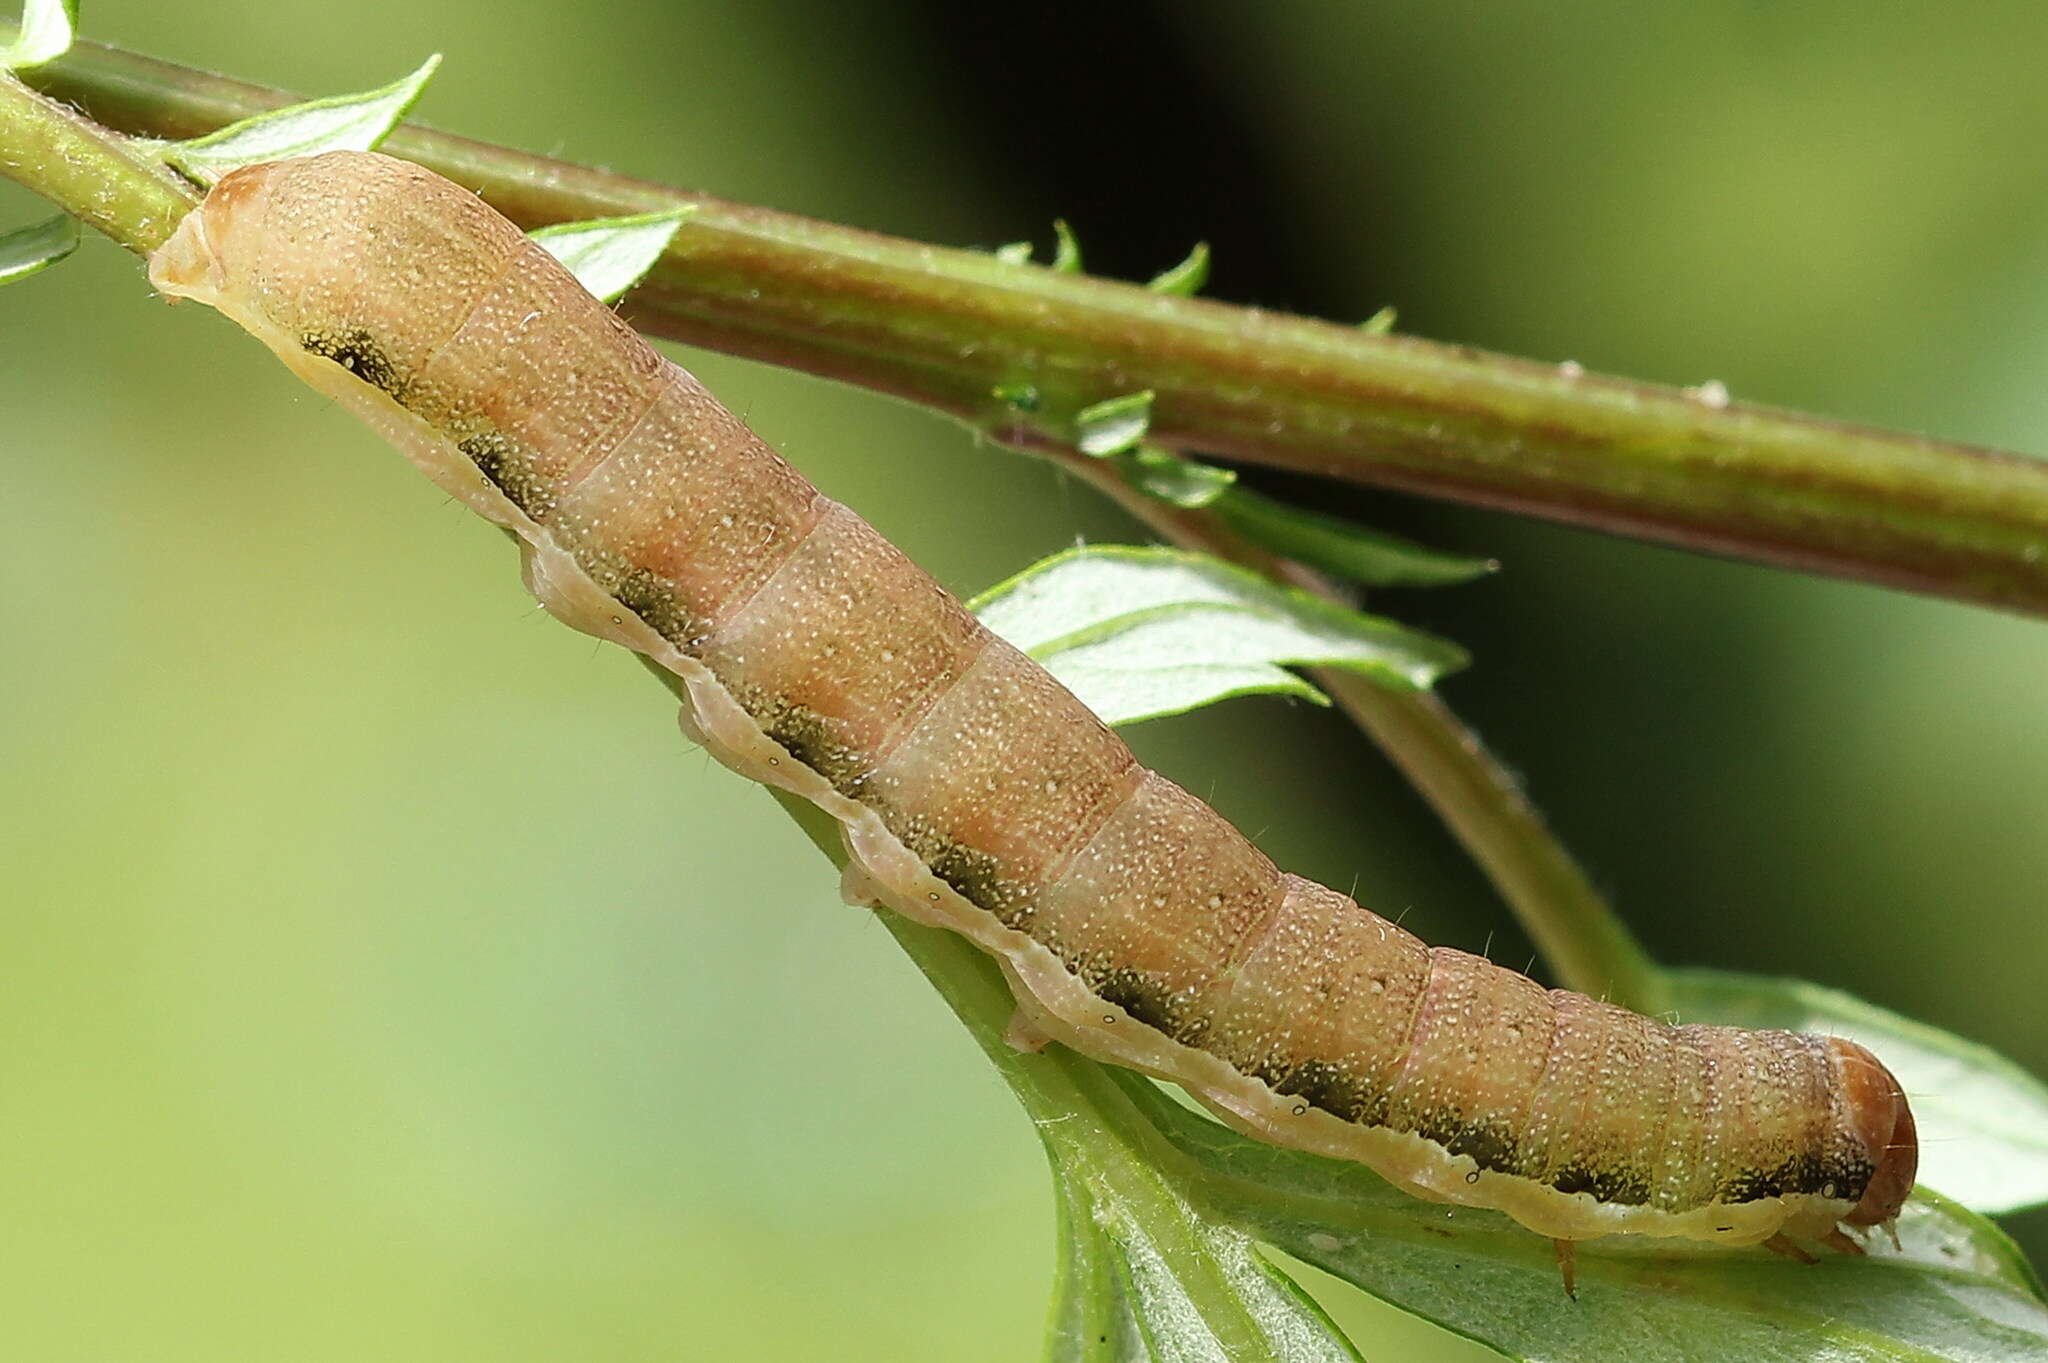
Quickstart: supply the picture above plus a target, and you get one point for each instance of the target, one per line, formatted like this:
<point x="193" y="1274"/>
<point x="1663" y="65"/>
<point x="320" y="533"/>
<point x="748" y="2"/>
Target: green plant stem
<point x="87" y="171"/>
<point x="945" y="327"/>
<point x="1584" y="942"/>
<point x="1581" y="938"/>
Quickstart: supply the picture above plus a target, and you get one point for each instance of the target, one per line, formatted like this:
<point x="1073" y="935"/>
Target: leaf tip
<point x="31" y="250"/>
<point x="1182" y="482"/>
<point x="1066" y="257"/>
<point x="1113" y="425"/>
<point x="353" y="122"/>
<point x="1187" y="278"/>
<point x="43" y="34"/>
<point x="609" y="256"/>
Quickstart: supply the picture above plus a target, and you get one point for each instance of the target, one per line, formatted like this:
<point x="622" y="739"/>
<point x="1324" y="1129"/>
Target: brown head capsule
<point x="1883" y="1122"/>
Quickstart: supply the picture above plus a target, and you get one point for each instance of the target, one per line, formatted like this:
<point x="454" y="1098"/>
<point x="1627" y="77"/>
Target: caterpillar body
<point x="974" y="793"/>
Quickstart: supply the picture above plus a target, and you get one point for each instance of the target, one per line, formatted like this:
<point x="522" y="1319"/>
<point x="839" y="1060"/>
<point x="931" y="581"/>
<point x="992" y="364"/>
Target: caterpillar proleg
<point x="974" y="793"/>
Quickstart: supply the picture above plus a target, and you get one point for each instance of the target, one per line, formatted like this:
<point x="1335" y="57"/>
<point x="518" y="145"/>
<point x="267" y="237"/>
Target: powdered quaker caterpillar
<point x="976" y="794"/>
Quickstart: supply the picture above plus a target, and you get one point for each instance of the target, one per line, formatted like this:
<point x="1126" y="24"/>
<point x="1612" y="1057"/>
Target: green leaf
<point x="1066" y="255"/>
<point x="1114" y="424"/>
<point x="1342" y="547"/>
<point x="1138" y="633"/>
<point x="1380" y="323"/>
<point x="608" y="256"/>
<point x="1983" y="1120"/>
<point x="26" y="250"/>
<point x="337" y="123"/>
<point x="1144" y="1276"/>
<point x="1170" y="478"/>
<point x="1187" y="278"/>
<point x="1278" y="1320"/>
<point x="1091" y="1320"/>
<point x="1959" y="1289"/>
<point x="44" y="34"/>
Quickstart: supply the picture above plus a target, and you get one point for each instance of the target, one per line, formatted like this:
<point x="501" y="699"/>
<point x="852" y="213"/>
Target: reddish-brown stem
<point x="946" y="327"/>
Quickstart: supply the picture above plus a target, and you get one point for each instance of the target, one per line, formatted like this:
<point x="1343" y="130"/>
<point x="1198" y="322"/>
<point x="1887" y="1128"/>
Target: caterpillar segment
<point x="974" y="793"/>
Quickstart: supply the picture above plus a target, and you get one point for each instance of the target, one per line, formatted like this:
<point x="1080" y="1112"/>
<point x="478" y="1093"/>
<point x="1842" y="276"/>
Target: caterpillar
<point x="974" y="793"/>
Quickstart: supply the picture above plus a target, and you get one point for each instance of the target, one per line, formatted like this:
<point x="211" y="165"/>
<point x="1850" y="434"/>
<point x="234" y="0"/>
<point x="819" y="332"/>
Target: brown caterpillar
<point x="974" y="793"/>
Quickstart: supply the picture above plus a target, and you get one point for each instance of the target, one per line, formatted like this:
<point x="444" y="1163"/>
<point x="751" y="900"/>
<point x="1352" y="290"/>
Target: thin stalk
<point x="1581" y="938"/>
<point x="86" y="170"/>
<point x="946" y="327"/>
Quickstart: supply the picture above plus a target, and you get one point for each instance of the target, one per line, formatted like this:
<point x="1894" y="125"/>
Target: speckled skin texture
<point x="975" y="792"/>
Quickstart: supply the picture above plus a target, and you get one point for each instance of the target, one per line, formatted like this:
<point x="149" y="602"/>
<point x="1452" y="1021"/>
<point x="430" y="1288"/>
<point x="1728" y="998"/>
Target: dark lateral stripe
<point x="498" y="460"/>
<point x="1802" y="1173"/>
<point x="647" y="595"/>
<point x="355" y="350"/>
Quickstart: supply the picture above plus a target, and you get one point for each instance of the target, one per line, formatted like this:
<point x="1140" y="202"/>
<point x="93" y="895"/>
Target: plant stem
<point x="945" y="327"/>
<point x="86" y="170"/>
<point x="1581" y="938"/>
<point x="1584" y="942"/>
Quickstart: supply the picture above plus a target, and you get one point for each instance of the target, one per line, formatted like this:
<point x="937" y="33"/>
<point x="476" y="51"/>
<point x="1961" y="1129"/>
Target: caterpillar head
<point x="354" y="257"/>
<point x="191" y="264"/>
<point x="284" y="242"/>
<point x="1880" y="1117"/>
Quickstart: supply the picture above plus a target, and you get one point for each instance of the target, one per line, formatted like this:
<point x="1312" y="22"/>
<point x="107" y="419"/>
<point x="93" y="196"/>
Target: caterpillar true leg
<point x="1785" y="1245"/>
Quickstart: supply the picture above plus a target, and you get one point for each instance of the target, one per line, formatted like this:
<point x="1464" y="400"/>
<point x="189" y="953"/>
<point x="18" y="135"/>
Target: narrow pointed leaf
<point x="1186" y="279"/>
<point x="1138" y="633"/>
<point x="44" y="34"/>
<point x="1170" y="478"/>
<point x="27" y="250"/>
<point x="1114" y="424"/>
<point x="608" y="256"/>
<point x="339" y="123"/>
<point x="1380" y="323"/>
<point x="1342" y="547"/>
<point x="1983" y="1120"/>
<point x="1066" y="255"/>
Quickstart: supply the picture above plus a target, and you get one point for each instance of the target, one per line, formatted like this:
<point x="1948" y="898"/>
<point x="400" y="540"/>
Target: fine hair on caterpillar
<point x="974" y="793"/>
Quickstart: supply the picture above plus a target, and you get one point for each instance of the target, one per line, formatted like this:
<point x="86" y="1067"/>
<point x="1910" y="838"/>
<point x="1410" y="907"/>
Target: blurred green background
<point x="385" y="978"/>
